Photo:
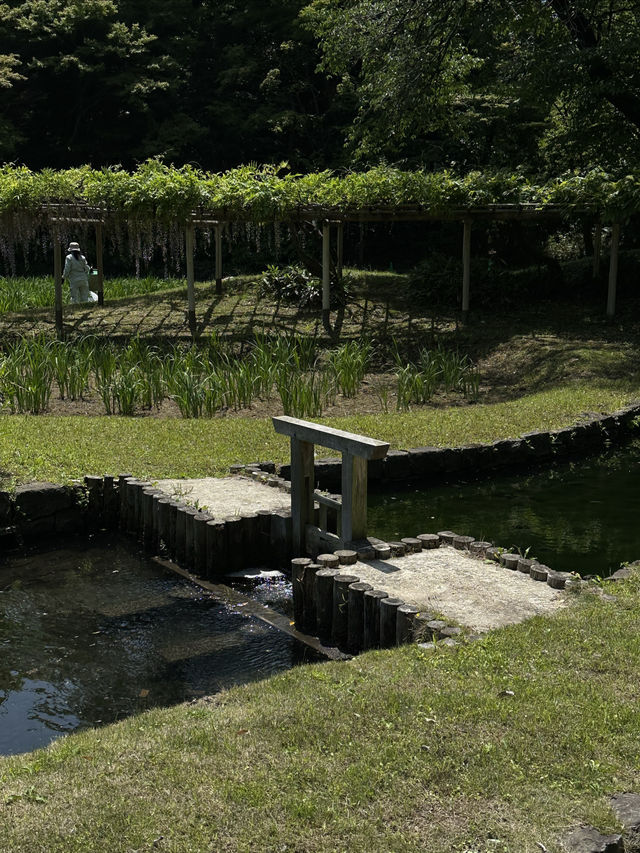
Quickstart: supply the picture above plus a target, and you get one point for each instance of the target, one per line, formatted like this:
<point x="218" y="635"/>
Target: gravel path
<point x="223" y="496"/>
<point x="476" y="593"/>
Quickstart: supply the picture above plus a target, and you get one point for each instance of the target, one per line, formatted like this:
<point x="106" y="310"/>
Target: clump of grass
<point x="349" y="364"/>
<point x="26" y="376"/>
<point x="435" y="370"/>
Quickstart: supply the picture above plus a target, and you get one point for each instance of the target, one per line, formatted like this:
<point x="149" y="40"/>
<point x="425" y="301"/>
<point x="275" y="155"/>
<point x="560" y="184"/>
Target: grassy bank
<point x="495" y="746"/>
<point x="59" y="449"/>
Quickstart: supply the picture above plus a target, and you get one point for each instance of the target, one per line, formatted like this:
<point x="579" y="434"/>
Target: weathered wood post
<point x="405" y="619"/>
<point x="340" y="251"/>
<point x="216" y="548"/>
<point x="466" y="264"/>
<point x="388" y="619"/>
<point x="57" y="282"/>
<point x="613" y="269"/>
<point x="324" y="601"/>
<point x="371" y="633"/>
<point x="191" y="295"/>
<point x="298" y="566"/>
<point x="100" y="263"/>
<point x="340" y="618"/>
<point x="355" y="627"/>
<point x="354" y="497"/>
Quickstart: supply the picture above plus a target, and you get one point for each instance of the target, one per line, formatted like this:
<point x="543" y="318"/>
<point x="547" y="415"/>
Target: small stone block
<point x="587" y="839"/>
<point x="462" y="543"/>
<point x="448" y="641"/>
<point x="626" y="807"/>
<point x="346" y="558"/>
<point x="539" y="572"/>
<point x="328" y="561"/>
<point x="450" y="631"/>
<point x="510" y="561"/>
<point x="429" y="540"/>
<point x="446" y="536"/>
<point x="435" y="626"/>
<point x="427" y="646"/>
<point x="413" y="544"/>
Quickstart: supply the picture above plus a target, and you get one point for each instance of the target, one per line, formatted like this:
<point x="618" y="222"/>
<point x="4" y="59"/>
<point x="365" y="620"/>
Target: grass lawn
<point x="499" y="745"/>
<point x="492" y="747"/>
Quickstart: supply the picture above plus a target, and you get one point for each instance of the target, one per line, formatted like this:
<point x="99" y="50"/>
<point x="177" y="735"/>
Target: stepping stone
<point x="587" y="839"/>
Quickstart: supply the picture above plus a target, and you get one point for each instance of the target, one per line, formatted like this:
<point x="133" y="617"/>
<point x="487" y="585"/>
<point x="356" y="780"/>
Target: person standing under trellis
<point x="76" y="271"/>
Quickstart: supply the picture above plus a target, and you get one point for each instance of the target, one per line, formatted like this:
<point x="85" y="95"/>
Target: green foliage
<point x="291" y="283"/>
<point x="482" y="83"/>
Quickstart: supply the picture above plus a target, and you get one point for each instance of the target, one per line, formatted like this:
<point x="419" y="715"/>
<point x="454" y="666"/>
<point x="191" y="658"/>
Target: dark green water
<point x="582" y="517"/>
<point x="93" y="633"/>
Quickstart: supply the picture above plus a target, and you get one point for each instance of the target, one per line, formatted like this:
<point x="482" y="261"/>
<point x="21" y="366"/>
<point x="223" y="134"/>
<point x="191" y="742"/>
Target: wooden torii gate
<point x="356" y="450"/>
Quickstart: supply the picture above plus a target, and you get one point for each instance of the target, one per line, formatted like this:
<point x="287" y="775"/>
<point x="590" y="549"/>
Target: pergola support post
<point x="466" y="265"/>
<point x="57" y="282"/>
<point x="99" y="263"/>
<point x="340" y="250"/>
<point x="326" y="272"/>
<point x="218" y="242"/>
<point x="613" y="269"/>
<point x="597" y="248"/>
<point x="191" y="295"/>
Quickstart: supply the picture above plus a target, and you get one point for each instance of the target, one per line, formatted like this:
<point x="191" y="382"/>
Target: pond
<point x="95" y="632"/>
<point x="583" y="516"/>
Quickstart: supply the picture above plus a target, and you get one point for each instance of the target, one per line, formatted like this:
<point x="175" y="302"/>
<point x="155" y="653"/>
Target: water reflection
<point x="577" y="517"/>
<point x="90" y="634"/>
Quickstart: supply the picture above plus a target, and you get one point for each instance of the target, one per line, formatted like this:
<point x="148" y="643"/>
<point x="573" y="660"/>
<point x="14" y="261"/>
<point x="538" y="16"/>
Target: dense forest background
<point x="534" y="86"/>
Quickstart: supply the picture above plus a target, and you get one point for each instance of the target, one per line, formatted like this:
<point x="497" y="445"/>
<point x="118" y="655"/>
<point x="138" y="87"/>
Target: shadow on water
<point x="95" y="632"/>
<point x="579" y="517"/>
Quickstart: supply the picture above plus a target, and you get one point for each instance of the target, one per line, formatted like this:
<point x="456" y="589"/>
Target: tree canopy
<point x="553" y="83"/>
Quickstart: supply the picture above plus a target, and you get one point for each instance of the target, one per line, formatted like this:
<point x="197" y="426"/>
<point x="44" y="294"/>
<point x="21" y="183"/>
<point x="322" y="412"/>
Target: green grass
<point x="499" y="745"/>
<point x="59" y="449"/>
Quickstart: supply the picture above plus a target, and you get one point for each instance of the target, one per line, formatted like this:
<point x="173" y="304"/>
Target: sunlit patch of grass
<point x="64" y="448"/>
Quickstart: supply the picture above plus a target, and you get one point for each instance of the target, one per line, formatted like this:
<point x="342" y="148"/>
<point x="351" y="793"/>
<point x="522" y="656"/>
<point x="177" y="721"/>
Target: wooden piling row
<point x="346" y="612"/>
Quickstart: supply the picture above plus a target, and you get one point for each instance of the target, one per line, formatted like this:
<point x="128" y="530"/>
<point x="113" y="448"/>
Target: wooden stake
<point x="613" y="270"/>
<point x="57" y="281"/>
<point x="191" y="296"/>
<point x="218" y="241"/>
<point x="99" y="263"/>
<point x="466" y="265"/>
